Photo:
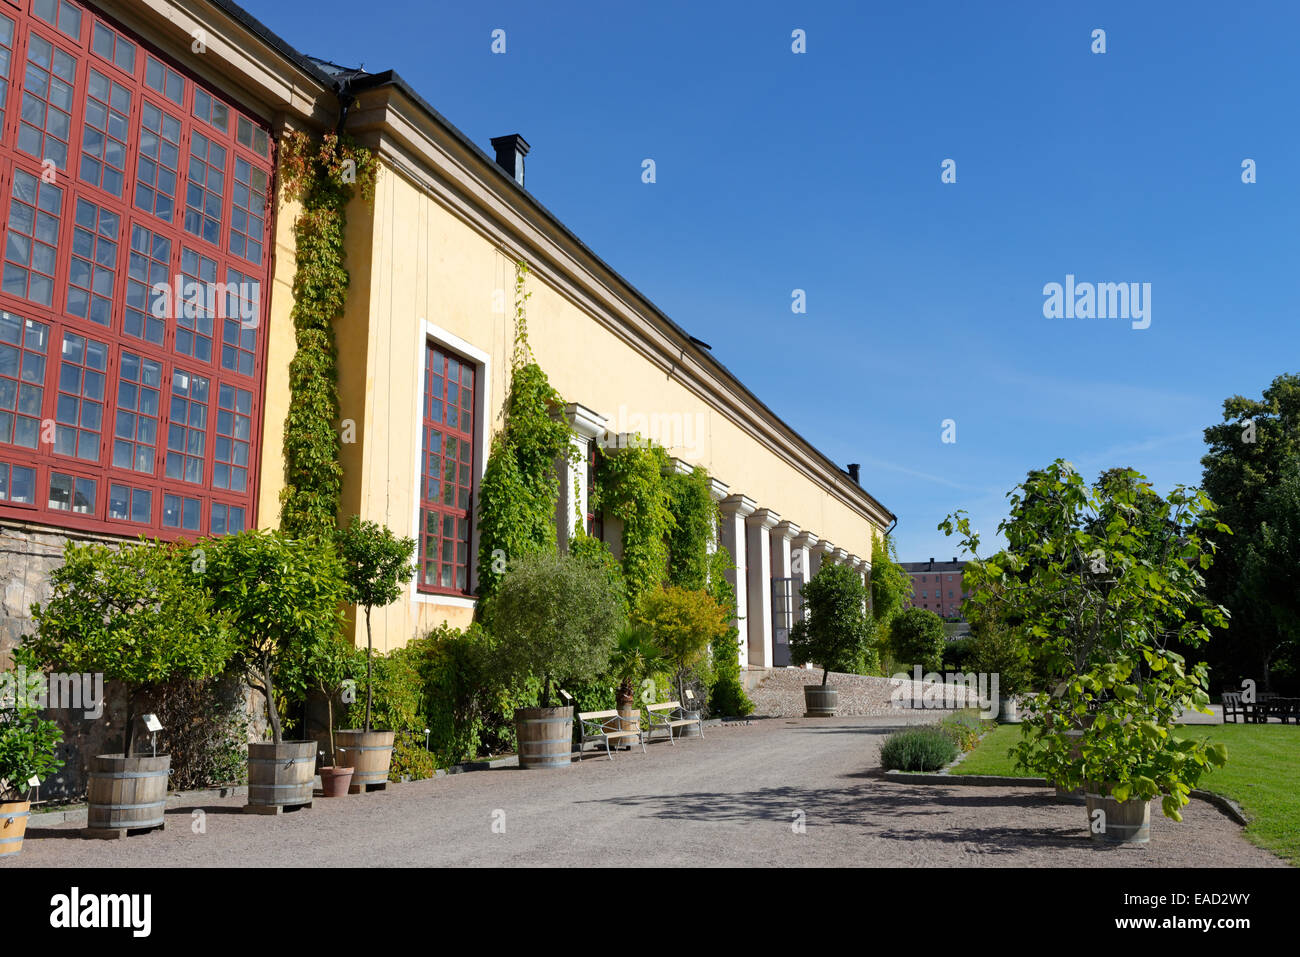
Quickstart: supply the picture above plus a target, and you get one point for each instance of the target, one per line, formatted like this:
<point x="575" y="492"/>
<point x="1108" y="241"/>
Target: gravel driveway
<point x="730" y="798"/>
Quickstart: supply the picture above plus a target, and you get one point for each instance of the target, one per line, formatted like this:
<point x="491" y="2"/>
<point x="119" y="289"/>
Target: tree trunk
<point x="272" y="712"/>
<point x="825" y="674"/>
<point x="128" y="733"/>
<point x="370" y="650"/>
<point x="329" y="713"/>
<point x="546" y="691"/>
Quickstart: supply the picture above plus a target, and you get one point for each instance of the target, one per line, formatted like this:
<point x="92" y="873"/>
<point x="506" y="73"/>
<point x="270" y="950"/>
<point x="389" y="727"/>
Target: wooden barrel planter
<point x="1008" y="710"/>
<point x="688" y="730"/>
<point x="369" y="754"/>
<point x="545" y="737"/>
<point x="629" y="719"/>
<point x="281" y="777"/>
<point x="1124" y="822"/>
<point x="13" y="825"/>
<point x="126" y="794"/>
<point x="820" y="701"/>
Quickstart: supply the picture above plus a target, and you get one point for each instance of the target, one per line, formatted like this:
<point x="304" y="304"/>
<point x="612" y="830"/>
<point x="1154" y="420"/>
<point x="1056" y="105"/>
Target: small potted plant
<point x="835" y="635"/>
<point x="283" y="598"/>
<point x="376" y="565"/>
<point x="333" y="666"/>
<point x="140" y="616"/>
<point x="27" y="756"/>
<point x="553" y="616"/>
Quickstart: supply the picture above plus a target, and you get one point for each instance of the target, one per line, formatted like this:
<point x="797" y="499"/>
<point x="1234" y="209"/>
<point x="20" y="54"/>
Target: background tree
<point x="916" y="637"/>
<point x="1249" y="453"/>
<point x="139" y="614"/>
<point x="836" y="634"/>
<point x="283" y="597"/>
<point x="891" y="586"/>
<point x="376" y="564"/>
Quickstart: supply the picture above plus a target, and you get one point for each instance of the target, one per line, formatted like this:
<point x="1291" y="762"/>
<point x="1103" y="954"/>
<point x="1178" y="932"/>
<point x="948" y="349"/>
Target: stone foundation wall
<point x="779" y="693"/>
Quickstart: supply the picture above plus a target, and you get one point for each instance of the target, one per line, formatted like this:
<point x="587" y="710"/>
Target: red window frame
<point x="123" y="58"/>
<point x="447" y="452"/>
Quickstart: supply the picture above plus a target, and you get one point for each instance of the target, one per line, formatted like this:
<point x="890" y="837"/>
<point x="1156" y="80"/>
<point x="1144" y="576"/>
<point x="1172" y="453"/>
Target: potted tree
<point x="376" y="564"/>
<point x="333" y="666"/>
<point x="139" y="615"/>
<point x="1106" y="581"/>
<point x="283" y="599"/>
<point x="28" y="744"/>
<point x="836" y="633"/>
<point x="684" y="623"/>
<point x="553" y="616"/>
<point x="635" y="656"/>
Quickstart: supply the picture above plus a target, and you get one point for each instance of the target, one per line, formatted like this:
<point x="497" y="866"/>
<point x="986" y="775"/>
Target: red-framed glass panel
<point x="131" y="347"/>
<point x="447" y="467"/>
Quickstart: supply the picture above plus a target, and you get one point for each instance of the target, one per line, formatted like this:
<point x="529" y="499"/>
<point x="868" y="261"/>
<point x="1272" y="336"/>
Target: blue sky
<point x="821" y="171"/>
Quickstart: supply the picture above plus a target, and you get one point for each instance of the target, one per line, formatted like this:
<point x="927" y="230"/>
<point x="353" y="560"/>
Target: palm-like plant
<point x="635" y="655"/>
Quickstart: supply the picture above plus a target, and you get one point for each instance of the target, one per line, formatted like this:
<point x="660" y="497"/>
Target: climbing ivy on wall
<point x="695" y="523"/>
<point x="520" y="487"/>
<point x="631" y="486"/>
<point x="323" y="175"/>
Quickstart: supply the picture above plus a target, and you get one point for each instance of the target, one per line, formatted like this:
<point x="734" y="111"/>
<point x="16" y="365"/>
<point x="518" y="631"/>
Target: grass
<point x="1261" y="775"/>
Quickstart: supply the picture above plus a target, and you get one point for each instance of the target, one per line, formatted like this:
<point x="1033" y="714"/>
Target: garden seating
<point x="1235" y="709"/>
<point x="1258" y="712"/>
<point x="604" y="726"/>
<point x="670" y="715"/>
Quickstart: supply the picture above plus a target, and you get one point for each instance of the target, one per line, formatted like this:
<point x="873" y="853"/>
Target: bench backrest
<point x="665" y="706"/>
<point x="593" y="715"/>
<point x="1232" y="699"/>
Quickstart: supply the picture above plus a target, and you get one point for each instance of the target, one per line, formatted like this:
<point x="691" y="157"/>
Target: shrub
<point x="836" y="634"/>
<point x="684" y="623"/>
<point x="397" y="687"/>
<point x="917" y="749"/>
<point x="28" y="742"/>
<point x="727" y="697"/>
<point x="917" y="637"/>
<point x="410" y="759"/>
<point x="138" y="614"/>
<point x="964" y="727"/>
<point x="205" y="730"/>
<point x="554" y="616"/>
<point x="957" y="653"/>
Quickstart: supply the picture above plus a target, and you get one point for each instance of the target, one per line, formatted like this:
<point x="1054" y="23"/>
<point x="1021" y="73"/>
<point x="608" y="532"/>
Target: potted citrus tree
<point x="28" y="746"/>
<point x="283" y="598"/>
<point x="836" y="633"/>
<point x="333" y="665"/>
<point x="376" y="565"/>
<point x="1105" y="582"/>
<point x="552" y="616"/>
<point x="139" y="615"/>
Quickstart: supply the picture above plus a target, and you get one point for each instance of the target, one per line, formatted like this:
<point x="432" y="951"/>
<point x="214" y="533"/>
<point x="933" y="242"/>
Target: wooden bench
<point x="605" y="726"/>
<point x="1234" y="709"/>
<point x="669" y="715"/>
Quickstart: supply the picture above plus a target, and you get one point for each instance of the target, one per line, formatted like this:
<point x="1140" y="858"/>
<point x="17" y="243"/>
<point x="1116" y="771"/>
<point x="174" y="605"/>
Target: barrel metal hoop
<point x="367" y="747"/>
<point x="303" y="784"/>
<point x="546" y="741"/>
<point x="119" y="775"/>
<point x="543" y="720"/>
<point x="124" y="825"/>
<point x="10" y="818"/>
<point x="11" y="840"/>
<point x="129" y="807"/>
<point x="310" y="757"/>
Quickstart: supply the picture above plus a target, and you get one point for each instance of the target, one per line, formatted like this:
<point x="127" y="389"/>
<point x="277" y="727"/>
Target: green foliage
<point x="891" y="586"/>
<point x="28" y="742"/>
<point x="695" y="523"/>
<point x="590" y="549"/>
<point x="958" y="653"/>
<point x="684" y="622"/>
<point x="632" y="487"/>
<point x="836" y="633"/>
<point x="727" y="696"/>
<point x="554" y="616"/>
<point x="205" y="730"/>
<point x="1102" y="581"/>
<point x="410" y="760"/>
<point x="916" y="636"/>
<point x="965" y="727"/>
<point x="323" y="175"/>
<point x="139" y="614"/>
<point x="282" y="597"/>
<point x="636" y="655"/>
<point x="520" y="487"/>
<point x="997" y="649"/>
<point x="398" y="686"/>
<point x="925" y="748"/>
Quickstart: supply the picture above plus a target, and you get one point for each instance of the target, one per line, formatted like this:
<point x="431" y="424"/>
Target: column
<point x="821" y="551"/>
<point x="801" y="563"/>
<point x="841" y="556"/>
<point x="860" y="567"/>
<point x="572" y="505"/>
<point x="735" y="510"/>
<point x="782" y="551"/>
<point x="717" y="492"/>
<point x="758" y="538"/>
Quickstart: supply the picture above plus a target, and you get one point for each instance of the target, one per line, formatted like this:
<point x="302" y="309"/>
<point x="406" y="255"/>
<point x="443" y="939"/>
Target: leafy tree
<point x="138" y="614"/>
<point x="635" y="655"/>
<point x="891" y="586"/>
<point x="1247" y="456"/>
<point x="329" y="665"/>
<point x="836" y="634"/>
<point x="376" y="564"/>
<point x="283" y="597"/>
<point x="554" y="616"/>
<point x="916" y="637"/>
<point x="1108" y="594"/>
<point x="28" y="742"/>
<point x="1270" y="572"/>
<point x="684" y="622"/>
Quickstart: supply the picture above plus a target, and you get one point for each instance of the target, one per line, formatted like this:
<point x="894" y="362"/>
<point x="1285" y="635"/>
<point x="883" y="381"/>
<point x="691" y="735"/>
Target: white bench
<point x="605" y="726"/>
<point x="669" y="715"/>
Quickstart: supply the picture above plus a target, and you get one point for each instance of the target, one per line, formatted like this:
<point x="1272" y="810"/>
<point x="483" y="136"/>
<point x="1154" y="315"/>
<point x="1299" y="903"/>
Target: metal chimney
<point x="855" y="473"/>
<point x="511" y="151"/>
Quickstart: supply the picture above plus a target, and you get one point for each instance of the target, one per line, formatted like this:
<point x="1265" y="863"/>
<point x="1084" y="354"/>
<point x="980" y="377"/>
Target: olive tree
<point x="1103" y="582"/>
<point x="137" y="614"/>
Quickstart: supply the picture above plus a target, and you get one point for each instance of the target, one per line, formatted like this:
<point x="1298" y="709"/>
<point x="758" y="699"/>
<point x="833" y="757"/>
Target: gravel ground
<point x="727" y="799"/>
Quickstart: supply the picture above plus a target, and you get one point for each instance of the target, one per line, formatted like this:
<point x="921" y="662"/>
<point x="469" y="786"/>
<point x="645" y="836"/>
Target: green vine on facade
<point x="520" y="487"/>
<point x="695" y="525"/>
<point x="631" y="486"/>
<point x="323" y="175"/>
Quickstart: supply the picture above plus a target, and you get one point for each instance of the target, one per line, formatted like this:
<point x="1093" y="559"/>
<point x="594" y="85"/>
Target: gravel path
<point x="728" y="799"/>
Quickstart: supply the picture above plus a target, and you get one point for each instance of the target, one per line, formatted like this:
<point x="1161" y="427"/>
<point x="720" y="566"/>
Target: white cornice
<point x="738" y="505"/>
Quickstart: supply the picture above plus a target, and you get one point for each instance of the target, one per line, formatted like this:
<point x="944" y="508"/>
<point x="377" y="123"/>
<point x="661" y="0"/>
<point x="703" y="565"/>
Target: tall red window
<point x="135" y="205"/>
<point x="446" y="484"/>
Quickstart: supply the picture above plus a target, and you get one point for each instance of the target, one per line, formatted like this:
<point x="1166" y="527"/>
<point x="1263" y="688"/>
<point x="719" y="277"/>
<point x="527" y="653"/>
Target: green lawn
<point x="1262" y="775"/>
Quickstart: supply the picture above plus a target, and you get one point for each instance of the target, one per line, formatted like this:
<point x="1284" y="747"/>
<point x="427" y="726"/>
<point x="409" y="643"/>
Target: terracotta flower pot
<point x="334" y="781"/>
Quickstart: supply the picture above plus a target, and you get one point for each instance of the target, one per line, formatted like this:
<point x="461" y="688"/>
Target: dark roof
<point x="336" y="77"/>
<point x="932" y="566"/>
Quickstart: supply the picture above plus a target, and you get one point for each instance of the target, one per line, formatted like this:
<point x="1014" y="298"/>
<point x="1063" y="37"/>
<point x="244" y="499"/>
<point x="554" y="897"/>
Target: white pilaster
<point x="801" y="558"/>
<point x="735" y="509"/>
<point x="758" y="537"/>
<point x="782" y="556"/>
<point x="821" y="551"/>
<point x="717" y="492"/>
<point x="572" y="505"/>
